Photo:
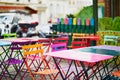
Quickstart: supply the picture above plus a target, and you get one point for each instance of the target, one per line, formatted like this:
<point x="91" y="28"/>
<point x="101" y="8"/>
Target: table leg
<point x="84" y="69"/>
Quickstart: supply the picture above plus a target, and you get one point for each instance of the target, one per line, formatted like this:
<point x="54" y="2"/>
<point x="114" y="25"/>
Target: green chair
<point x="9" y="35"/>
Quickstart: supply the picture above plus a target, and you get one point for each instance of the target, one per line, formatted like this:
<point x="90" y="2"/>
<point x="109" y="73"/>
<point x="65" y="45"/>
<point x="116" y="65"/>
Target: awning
<point x="7" y="8"/>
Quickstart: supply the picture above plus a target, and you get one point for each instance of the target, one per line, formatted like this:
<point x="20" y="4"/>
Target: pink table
<point x="20" y="39"/>
<point x="76" y="55"/>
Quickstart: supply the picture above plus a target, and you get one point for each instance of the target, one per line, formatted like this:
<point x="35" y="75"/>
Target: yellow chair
<point x="36" y="63"/>
<point x="77" y="35"/>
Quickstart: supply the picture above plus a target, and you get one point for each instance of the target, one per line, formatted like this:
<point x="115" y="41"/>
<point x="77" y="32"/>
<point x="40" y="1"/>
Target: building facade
<point x="51" y="9"/>
<point x="61" y="8"/>
<point x="111" y="7"/>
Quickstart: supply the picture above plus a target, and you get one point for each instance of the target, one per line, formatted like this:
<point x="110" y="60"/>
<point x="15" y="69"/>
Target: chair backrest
<point x="17" y="45"/>
<point x="36" y="62"/>
<point x="58" y="47"/>
<point x="79" y="40"/>
<point x="46" y="42"/>
<point x="108" y="38"/>
<point x="63" y="35"/>
<point x="34" y="49"/>
<point x="61" y="40"/>
<point x="33" y="54"/>
<point x="10" y="35"/>
<point x="77" y="36"/>
<point x="78" y="44"/>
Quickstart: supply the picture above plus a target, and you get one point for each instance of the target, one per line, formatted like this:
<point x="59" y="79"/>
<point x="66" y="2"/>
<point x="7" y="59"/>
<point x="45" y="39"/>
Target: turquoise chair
<point x="110" y="38"/>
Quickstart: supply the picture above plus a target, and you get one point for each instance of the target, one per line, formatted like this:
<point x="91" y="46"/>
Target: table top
<point x="22" y="39"/>
<point x="76" y="54"/>
<point x="109" y="47"/>
<point x="18" y="39"/>
<point x="5" y="43"/>
<point x="90" y="37"/>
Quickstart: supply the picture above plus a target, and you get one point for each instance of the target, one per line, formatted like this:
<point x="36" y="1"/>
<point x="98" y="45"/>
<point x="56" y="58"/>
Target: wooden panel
<point x="107" y="8"/>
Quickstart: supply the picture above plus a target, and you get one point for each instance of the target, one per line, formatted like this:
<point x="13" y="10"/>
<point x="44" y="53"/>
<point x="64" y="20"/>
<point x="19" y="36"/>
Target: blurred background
<point x="36" y="17"/>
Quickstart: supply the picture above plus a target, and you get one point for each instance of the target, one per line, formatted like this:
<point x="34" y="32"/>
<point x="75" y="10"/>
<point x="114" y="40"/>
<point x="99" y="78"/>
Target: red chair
<point x="79" y="40"/>
<point x="61" y="40"/>
<point x="82" y="44"/>
<point x="79" y="44"/>
<point x="46" y="43"/>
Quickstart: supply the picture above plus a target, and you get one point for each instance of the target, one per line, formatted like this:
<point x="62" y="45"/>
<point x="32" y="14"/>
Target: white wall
<point x="21" y="1"/>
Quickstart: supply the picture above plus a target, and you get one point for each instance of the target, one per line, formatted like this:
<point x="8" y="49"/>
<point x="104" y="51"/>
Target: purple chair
<point x="59" y="47"/>
<point x="15" y="60"/>
<point x="5" y="45"/>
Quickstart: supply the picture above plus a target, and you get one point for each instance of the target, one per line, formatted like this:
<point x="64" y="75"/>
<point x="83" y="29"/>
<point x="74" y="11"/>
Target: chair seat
<point x="33" y="57"/>
<point x="46" y="71"/>
<point x="12" y="61"/>
<point x="116" y="73"/>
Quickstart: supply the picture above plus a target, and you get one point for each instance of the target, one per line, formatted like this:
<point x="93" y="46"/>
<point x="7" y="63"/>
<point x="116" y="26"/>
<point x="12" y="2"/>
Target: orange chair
<point x="36" y="63"/>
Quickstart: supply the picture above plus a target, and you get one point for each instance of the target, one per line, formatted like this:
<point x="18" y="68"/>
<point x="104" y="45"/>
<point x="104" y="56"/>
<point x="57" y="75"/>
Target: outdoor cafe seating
<point x="51" y="62"/>
<point x="34" y="54"/>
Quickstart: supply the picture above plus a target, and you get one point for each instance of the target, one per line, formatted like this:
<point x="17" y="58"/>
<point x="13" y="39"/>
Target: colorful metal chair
<point x="5" y="47"/>
<point x="116" y="74"/>
<point x="109" y="38"/>
<point x="79" y="44"/>
<point x="46" y="43"/>
<point x="10" y="35"/>
<point x="61" y="40"/>
<point x="79" y="41"/>
<point x="36" y="63"/>
<point x="77" y="35"/>
<point x="82" y="44"/>
<point x="59" y="47"/>
<point x="14" y="63"/>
